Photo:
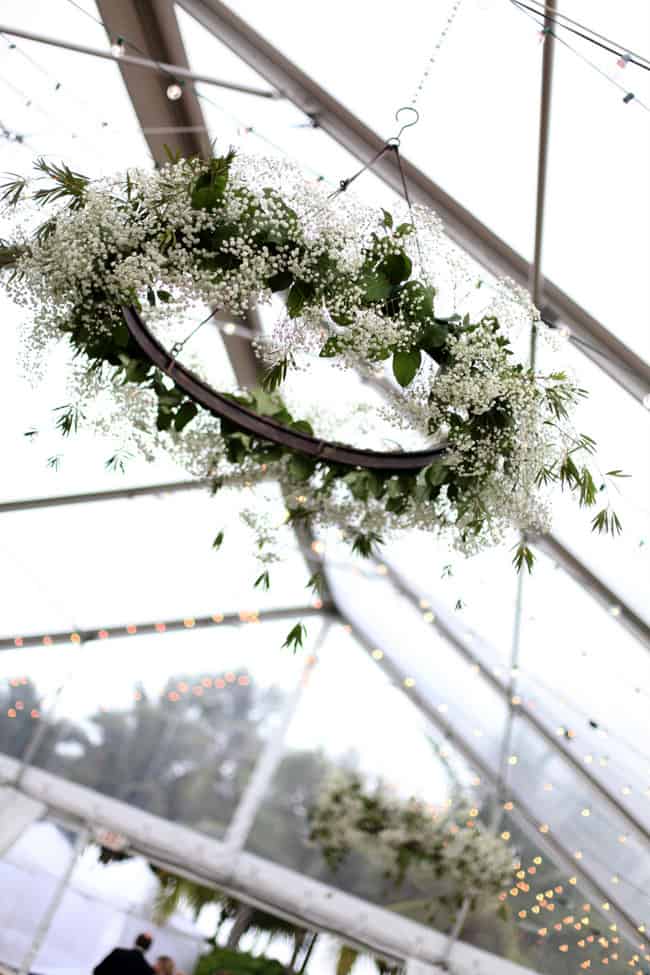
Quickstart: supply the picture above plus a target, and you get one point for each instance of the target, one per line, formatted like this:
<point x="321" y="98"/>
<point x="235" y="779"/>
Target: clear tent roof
<point x="582" y="681"/>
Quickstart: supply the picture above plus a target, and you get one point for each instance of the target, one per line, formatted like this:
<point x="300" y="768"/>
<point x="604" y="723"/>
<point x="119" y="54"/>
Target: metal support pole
<point x="506" y="744"/>
<point x="244" y="815"/>
<point x="46" y="921"/>
<point x="542" y="160"/>
<point x="172" y="70"/>
<point x="542" y="165"/>
<point x="454" y="934"/>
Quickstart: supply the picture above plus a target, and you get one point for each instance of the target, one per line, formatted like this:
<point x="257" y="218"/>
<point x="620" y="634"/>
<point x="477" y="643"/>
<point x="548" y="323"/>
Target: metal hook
<point x="395" y="141"/>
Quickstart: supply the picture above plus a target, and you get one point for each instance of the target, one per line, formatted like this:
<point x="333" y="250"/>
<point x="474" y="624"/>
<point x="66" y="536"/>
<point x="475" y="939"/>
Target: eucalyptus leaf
<point x="405" y="366"/>
<point x="376" y="285"/>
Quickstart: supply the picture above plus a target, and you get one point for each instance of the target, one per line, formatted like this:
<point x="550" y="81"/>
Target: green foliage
<point x="68" y="420"/>
<point x="376" y="285"/>
<point x="523" y="557"/>
<point x="118" y="461"/>
<point x="263" y="581"/>
<point x="222" y="960"/>
<point x="364" y="543"/>
<point x="9" y="255"/>
<point x="175" y="892"/>
<point x="12" y="190"/>
<point x="275" y="376"/>
<point x="316" y="583"/>
<point x="405" y="366"/>
<point x="218" y="540"/>
<point x="347" y="959"/>
<point x="68" y="185"/>
<point x="383" y="283"/>
<point x="300" y="294"/>
<point x="606" y="522"/>
<point x="209" y="187"/>
<point x="296" y="637"/>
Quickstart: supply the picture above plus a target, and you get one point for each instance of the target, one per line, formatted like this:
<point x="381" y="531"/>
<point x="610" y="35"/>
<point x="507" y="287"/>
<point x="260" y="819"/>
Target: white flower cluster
<point x="139" y="236"/>
<point x="440" y="852"/>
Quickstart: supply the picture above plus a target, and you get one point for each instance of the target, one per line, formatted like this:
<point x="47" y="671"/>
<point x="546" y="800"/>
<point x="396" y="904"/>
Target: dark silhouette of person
<point x="127" y="961"/>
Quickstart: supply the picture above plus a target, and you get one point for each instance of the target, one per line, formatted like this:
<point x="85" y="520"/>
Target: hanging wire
<point x="58" y="86"/>
<point x="628" y="96"/>
<point x="178" y="347"/>
<point x="248" y="129"/>
<point x="599" y="40"/>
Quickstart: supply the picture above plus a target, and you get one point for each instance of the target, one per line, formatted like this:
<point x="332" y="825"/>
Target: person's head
<point x="143" y="942"/>
<point x="164" y="965"/>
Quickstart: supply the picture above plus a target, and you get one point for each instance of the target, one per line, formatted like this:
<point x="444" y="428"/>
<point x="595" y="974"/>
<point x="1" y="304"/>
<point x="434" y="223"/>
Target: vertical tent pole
<point x="46" y="921"/>
<point x="244" y="815"/>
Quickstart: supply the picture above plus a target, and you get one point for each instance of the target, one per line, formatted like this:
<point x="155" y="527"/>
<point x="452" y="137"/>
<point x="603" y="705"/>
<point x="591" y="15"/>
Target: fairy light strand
<point x="434" y="54"/>
<point x="629" y="96"/>
<point x="580" y="30"/>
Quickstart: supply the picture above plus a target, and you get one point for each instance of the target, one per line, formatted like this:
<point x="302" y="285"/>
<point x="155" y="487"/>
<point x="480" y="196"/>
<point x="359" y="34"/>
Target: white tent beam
<point x="170" y="71"/>
<point x="162" y="626"/>
<point x="607" y="351"/>
<point x="316" y="904"/>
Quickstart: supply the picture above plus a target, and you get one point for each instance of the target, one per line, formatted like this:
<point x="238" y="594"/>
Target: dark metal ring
<point x="263" y="426"/>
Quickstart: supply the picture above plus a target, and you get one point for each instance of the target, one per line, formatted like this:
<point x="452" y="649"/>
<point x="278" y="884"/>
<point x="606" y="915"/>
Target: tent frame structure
<point x="153" y="30"/>
<point x="256" y="880"/>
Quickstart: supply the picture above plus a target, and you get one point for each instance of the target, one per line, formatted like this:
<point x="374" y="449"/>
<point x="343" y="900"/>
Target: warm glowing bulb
<point x="174" y="92"/>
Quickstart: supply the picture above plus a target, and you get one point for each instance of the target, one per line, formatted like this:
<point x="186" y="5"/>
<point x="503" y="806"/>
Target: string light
<point x="161" y="627"/>
<point x="174" y="91"/>
<point x="117" y="47"/>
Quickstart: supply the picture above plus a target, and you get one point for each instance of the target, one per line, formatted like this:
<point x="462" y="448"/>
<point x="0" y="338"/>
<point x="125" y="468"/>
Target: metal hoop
<point x="263" y="426"/>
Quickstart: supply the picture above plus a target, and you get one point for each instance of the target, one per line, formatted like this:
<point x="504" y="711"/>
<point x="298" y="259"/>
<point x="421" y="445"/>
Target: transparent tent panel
<point x="171" y="723"/>
<point x="480" y="592"/>
<point x="583" y="671"/>
<point x="482" y="728"/>
<point x="591" y="213"/>
<point x="259" y="126"/>
<point x="43" y="463"/>
<point x="490" y="165"/>
<point x="594" y="835"/>
<point x="448" y="684"/>
<point x="67" y="568"/>
<point x="138" y="560"/>
<point x="362" y="741"/>
<point x="621" y="427"/>
<point x="91" y="126"/>
<point x="374" y="80"/>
